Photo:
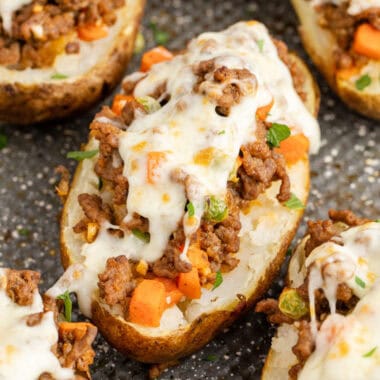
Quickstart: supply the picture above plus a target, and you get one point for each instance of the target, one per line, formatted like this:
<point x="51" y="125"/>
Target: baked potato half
<point x="38" y="339"/>
<point x="332" y="276"/>
<point x="73" y="82"/>
<point x="351" y="72"/>
<point x="228" y="277"/>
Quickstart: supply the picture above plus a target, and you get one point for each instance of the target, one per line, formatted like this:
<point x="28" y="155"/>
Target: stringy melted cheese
<point x="342" y="342"/>
<point x="25" y="352"/>
<point x="355" y="6"/>
<point x="194" y="140"/>
<point x="7" y="8"/>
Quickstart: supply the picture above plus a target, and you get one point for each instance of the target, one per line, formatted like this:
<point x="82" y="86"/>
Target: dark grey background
<point x="345" y="174"/>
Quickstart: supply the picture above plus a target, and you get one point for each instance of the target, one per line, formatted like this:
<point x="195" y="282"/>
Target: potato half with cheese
<point x="36" y="342"/>
<point x="59" y="57"/>
<point x="343" y="39"/>
<point x="192" y="189"/>
<point x="329" y="312"/>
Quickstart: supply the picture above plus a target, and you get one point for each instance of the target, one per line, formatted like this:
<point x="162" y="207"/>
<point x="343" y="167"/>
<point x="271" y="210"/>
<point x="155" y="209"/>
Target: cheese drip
<point x="355" y="6"/>
<point x="25" y="352"/>
<point x="188" y="137"/>
<point x="343" y="342"/>
<point x="7" y="8"/>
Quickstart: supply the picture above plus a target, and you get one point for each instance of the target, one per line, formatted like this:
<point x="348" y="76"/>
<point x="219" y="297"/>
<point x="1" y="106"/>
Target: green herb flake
<point x="216" y="209"/>
<point x="100" y="184"/>
<point x="67" y="303"/>
<point x="58" y="76"/>
<point x="150" y="104"/>
<point x="360" y="282"/>
<point x="260" y="44"/>
<point x="370" y="353"/>
<point x="218" y="280"/>
<point x="139" y="43"/>
<point x="377" y="221"/>
<point x="161" y="37"/>
<point x="276" y="134"/>
<point x="144" y="236"/>
<point x="294" y="203"/>
<point x="363" y="82"/>
<point x="221" y="132"/>
<point x="82" y="155"/>
<point x="23" y="232"/>
<point x="3" y="141"/>
<point x="289" y="252"/>
<point x="211" y="358"/>
<point x="190" y="209"/>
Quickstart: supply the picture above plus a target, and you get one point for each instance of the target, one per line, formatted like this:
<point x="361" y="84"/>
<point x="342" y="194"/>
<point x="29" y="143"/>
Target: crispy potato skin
<point x="27" y="104"/>
<point x="362" y="102"/>
<point x="183" y="342"/>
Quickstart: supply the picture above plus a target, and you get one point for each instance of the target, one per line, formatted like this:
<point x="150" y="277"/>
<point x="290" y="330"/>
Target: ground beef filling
<point x="319" y="232"/>
<point x="343" y="26"/>
<point x="74" y="345"/>
<point x="45" y="28"/>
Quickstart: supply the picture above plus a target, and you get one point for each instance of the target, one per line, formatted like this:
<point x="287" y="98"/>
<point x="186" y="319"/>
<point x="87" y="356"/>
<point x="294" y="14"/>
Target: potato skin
<point x="362" y="102"/>
<point x="27" y="104"/>
<point x="165" y="348"/>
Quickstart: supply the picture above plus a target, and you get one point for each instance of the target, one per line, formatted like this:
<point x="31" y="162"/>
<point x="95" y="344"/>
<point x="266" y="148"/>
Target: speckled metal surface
<point x="346" y="174"/>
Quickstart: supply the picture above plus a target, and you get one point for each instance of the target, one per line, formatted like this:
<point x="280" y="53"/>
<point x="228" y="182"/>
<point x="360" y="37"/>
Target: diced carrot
<point x="262" y="112"/>
<point x="294" y="148"/>
<point x="198" y="258"/>
<point x="367" y="41"/>
<point x="92" y="32"/>
<point x="172" y="291"/>
<point x="119" y="101"/>
<point x="189" y="284"/>
<point x="154" y="160"/>
<point x="153" y="56"/>
<point x="79" y="329"/>
<point x="148" y="303"/>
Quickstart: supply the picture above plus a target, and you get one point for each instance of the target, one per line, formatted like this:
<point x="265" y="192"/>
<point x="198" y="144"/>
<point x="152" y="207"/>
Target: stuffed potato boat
<point x="36" y="342"/>
<point x="328" y="313"/>
<point x="192" y="189"/>
<point x="343" y="39"/>
<point x="61" y="56"/>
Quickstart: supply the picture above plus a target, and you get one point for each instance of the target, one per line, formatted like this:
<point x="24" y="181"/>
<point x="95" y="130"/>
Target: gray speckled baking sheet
<point x="346" y="173"/>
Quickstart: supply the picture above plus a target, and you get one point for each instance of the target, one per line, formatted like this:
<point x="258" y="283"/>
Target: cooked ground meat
<point x="170" y="264"/>
<point x="74" y="349"/>
<point x="116" y="283"/>
<point x="347" y="217"/>
<point x="45" y="28"/>
<point x="343" y="26"/>
<point x="269" y="307"/>
<point x="137" y="222"/>
<point x="21" y="286"/>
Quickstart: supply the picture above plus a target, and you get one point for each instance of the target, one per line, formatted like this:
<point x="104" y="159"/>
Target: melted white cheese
<point x="181" y="130"/>
<point x="25" y="352"/>
<point x="7" y="8"/>
<point x="343" y="341"/>
<point x="355" y="6"/>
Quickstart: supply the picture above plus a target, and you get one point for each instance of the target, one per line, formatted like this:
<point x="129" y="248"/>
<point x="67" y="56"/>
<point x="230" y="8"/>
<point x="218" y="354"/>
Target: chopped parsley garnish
<point x="81" y="155"/>
<point x="150" y="104"/>
<point x="363" y="82"/>
<point x="3" y="141"/>
<point x="370" y="353"/>
<point x="23" y="232"/>
<point x="221" y="132"/>
<point x="359" y="282"/>
<point x="289" y="252"/>
<point x="211" y="358"/>
<point x="377" y="221"/>
<point x="139" y="43"/>
<point x="67" y="303"/>
<point x="144" y="236"/>
<point x="190" y="209"/>
<point x="161" y="37"/>
<point x="294" y="203"/>
<point x="260" y="44"/>
<point x="218" y="280"/>
<point x="59" y="76"/>
<point x="276" y="134"/>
